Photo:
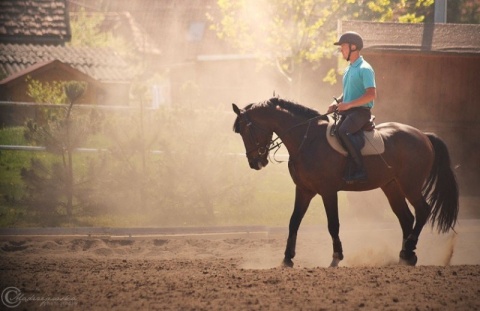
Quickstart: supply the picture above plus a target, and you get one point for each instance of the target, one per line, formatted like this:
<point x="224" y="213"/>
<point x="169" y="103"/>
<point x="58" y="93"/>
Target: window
<point x="195" y="31"/>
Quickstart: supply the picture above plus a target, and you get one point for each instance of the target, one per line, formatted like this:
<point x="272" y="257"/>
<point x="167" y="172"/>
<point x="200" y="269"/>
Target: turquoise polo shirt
<point x="358" y="77"/>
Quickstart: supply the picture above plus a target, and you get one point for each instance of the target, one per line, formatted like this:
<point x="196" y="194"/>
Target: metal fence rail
<point x="93" y="150"/>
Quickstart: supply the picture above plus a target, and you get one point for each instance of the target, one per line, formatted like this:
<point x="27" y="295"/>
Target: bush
<point x="196" y="178"/>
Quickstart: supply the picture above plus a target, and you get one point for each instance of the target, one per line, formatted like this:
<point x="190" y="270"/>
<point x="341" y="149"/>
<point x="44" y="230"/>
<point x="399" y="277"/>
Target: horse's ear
<point x="236" y="109"/>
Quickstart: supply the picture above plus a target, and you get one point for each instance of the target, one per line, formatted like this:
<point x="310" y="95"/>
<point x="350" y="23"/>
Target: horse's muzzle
<point x="258" y="163"/>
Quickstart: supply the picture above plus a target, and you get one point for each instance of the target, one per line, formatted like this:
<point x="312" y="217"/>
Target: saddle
<point x="370" y="125"/>
<point x="373" y="141"/>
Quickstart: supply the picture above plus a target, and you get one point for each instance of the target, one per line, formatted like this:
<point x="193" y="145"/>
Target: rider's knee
<point x="342" y="132"/>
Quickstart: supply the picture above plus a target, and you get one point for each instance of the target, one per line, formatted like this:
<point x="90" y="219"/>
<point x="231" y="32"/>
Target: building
<point x="33" y="37"/>
<point x="427" y="76"/>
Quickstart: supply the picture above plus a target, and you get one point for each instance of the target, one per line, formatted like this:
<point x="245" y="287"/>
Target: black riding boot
<point x="358" y="174"/>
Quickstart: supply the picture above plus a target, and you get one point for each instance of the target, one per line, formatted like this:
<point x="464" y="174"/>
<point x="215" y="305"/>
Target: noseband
<point x="260" y="150"/>
<point x="272" y="144"/>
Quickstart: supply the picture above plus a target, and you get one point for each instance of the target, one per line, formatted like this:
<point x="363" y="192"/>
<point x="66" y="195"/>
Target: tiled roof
<point x="34" y="21"/>
<point x="432" y="38"/>
<point x="102" y="64"/>
<point x="39" y="66"/>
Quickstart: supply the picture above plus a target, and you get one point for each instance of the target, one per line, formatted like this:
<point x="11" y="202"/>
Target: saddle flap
<point x="373" y="141"/>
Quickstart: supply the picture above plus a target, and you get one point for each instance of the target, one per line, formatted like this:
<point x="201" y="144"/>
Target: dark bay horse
<point x="415" y="166"/>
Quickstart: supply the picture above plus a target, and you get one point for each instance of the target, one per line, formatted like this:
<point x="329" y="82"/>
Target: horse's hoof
<point x="334" y="263"/>
<point x="336" y="258"/>
<point x="287" y="263"/>
<point x="408" y="259"/>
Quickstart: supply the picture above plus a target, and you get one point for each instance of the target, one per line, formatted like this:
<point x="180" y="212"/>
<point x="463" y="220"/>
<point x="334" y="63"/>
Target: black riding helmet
<point x="351" y="37"/>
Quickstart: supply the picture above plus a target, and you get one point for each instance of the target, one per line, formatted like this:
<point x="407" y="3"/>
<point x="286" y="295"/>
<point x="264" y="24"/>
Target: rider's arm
<point x="369" y="95"/>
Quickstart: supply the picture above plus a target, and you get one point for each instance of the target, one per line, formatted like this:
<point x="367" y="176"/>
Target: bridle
<point x="276" y="143"/>
<point x="259" y="149"/>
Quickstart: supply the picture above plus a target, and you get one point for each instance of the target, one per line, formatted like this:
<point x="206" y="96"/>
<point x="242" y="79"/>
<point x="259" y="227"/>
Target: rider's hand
<point x="333" y="106"/>
<point x="343" y="107"/>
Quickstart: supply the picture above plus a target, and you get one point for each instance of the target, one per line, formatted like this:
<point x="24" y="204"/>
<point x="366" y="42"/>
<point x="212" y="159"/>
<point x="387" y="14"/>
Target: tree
<point x="73" y="91"/>
<point x="291" y="33"/>
<point x="463" y="11"/>
<point x="54" y="187"/>
<point x="86" y="31"/>
<point x="284" y="33"/>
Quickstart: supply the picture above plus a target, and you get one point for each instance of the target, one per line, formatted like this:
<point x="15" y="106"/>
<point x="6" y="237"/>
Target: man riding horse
<point x="355" y="103"/>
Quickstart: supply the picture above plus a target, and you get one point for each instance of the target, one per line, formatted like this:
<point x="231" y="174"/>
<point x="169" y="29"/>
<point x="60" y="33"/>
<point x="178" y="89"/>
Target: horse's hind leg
<point x="399" y="206"/>
<point x="422" y="212"/>
<point x="413" y="192"/>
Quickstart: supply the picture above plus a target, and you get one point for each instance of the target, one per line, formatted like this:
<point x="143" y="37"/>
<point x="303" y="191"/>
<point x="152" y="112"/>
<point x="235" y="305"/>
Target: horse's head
<point x="256" y="138"/>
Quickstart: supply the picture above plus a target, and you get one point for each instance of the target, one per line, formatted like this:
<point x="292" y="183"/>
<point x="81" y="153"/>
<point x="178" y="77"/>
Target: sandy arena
<point x="239" y="271"/>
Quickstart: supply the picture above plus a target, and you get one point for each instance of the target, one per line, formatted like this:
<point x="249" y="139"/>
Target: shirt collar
<point x="357" y="62"/>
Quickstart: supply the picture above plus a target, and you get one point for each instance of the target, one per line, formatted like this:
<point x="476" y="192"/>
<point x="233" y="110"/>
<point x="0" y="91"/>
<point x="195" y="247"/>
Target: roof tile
<point x="101" y="63"/>
<point x="40" y="21"/>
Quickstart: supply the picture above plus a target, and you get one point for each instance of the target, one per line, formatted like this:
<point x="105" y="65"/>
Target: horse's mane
<point x="291" y="107"/>
<point x="294" y="108"/>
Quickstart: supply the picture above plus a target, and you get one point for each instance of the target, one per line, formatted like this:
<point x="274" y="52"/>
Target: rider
<point x="355" y="103"/>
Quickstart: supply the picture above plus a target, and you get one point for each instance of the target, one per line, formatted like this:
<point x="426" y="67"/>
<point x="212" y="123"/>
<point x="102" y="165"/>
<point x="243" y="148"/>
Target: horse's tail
<point x="441" y="188"/>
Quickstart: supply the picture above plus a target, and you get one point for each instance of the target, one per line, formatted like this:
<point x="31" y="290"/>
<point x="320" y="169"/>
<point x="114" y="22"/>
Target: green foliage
<point x="463" y="12"/>
<point x="12" y="136"/>
<point x="287" y="33"/>
<point x="290" y="33"/>
<point x="44" y="188"/>
<point x="55" y="92"/>
<point x="52" y="186"/>
<point x="86" y="31"/>
<point x="184" y="184"/>
<point x="11" y="186"/>
<point x="413" y="11"/>
<point x="11" y="162"/>
<point x="331" y="77"/>
<point x="53" y="132"/>
<point x="15" y="209"/>
<point x="46" y="92"/>
<point x="197" y="178"/>
<point x="74" y="90"/>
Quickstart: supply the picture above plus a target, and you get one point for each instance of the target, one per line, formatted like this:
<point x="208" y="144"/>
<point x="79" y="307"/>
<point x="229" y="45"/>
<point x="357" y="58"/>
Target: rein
<point x="309" y="122"/>
<point x="277" y="142"/>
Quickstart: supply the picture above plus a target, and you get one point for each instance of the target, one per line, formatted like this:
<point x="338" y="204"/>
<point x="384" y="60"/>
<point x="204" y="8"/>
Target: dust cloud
<point x="365" y="246"/>
<point x="186" y="182"/>
<point x="197" y="175"/>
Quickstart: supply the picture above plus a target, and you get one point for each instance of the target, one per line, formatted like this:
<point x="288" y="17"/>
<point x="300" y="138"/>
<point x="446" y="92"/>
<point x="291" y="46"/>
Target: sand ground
<point x="239" y="271"/>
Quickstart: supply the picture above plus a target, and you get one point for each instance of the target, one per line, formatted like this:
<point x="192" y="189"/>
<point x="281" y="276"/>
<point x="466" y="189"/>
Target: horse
<point x="414" y="166"/>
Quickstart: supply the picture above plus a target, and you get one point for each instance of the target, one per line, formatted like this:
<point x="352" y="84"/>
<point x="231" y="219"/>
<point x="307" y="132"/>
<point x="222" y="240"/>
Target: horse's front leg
<point x="331" y="208"/>
<point x="302" y="201"/>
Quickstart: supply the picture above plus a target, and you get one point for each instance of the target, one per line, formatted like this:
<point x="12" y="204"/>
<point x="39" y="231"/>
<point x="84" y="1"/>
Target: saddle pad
<point x="373" y="141"/>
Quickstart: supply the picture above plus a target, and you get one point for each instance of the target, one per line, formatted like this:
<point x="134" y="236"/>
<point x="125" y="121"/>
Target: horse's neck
<point x="292" y="132"/>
